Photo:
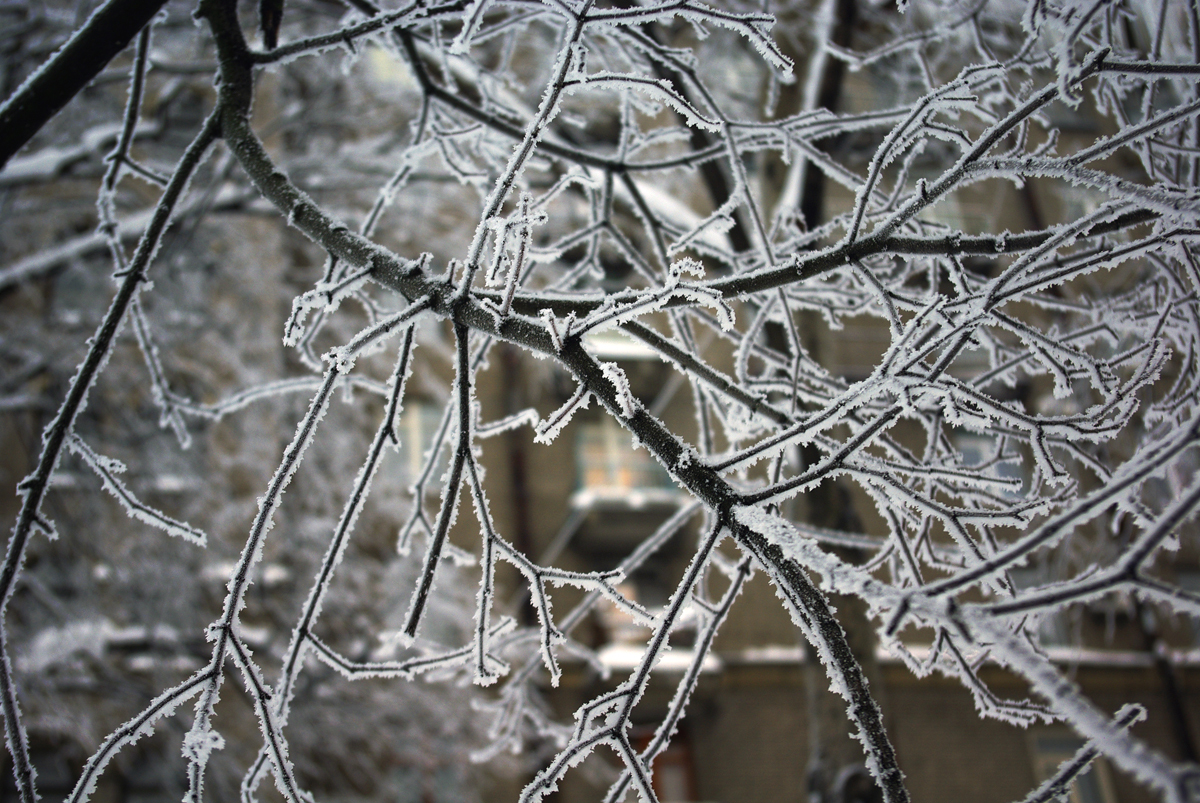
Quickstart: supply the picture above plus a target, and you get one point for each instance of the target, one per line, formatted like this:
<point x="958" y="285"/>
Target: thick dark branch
<point x="810" y="265"/>
<point x="103" y="36"/>
<point x="830" y="639"/>
<point x="1150" y="68"/>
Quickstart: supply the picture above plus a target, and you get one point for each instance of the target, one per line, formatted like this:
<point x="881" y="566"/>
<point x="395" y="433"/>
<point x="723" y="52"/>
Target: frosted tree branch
<point x="573" y="192"/>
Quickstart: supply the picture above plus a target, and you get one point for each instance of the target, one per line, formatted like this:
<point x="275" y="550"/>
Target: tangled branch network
<point x="1034" y="394"/>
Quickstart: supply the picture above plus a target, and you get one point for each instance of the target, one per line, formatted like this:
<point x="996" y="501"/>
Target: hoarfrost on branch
<point x="628" y="167"/>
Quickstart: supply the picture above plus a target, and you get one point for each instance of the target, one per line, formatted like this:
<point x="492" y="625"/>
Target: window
<point x="417" y="425"/>
<point x="427" y="784"/>
<point x="978" y="449"/>
<point x="1189" y="580"/>
<point x="1053" y="628"/>
<point x="617" y="625"/>
<point x="650" y="586"/>
<point x="607" y="460"/>
<point x="673" y="773"/>
<point x="1050" y="750"/>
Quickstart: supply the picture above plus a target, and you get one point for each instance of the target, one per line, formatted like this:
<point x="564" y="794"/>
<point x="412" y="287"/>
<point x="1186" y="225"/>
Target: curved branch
<point x="103" y="36"/>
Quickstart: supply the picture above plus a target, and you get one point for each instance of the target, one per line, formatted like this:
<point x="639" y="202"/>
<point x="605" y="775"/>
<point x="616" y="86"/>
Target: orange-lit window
<point x="607" y="460"/>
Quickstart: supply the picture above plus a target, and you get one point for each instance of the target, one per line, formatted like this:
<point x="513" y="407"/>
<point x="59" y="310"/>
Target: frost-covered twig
<point x="33" y="488"/>
<point x="108" y="469"/>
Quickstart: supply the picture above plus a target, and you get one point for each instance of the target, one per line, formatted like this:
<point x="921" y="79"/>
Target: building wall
<point x="747" y="730"/>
